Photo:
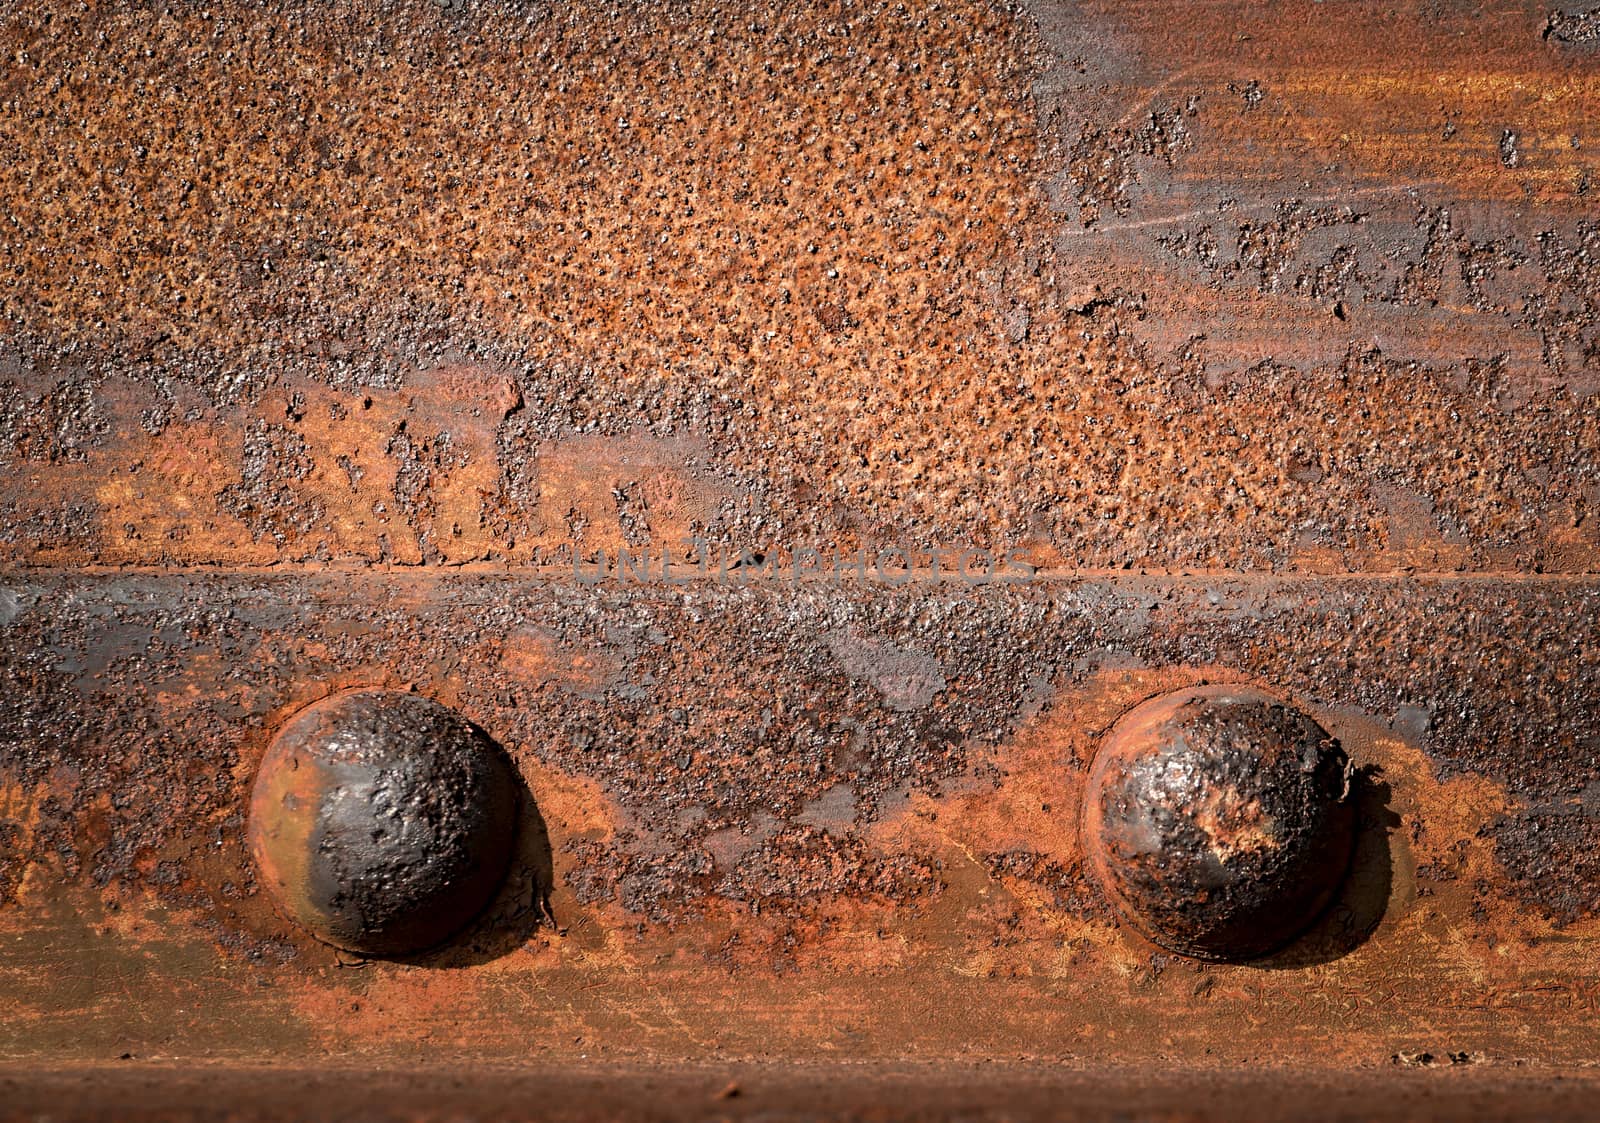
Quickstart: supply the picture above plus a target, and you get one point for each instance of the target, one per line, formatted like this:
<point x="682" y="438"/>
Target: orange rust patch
<point x="1234" y="826"/>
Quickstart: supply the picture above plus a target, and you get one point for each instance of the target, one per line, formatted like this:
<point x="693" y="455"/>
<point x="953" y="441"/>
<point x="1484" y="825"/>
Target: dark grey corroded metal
<point x="1220" y="820"/>
<point x="382" y="822"/>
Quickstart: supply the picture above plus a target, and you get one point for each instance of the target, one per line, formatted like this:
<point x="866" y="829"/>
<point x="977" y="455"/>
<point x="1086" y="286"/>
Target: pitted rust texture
<point x="798" y="871"/>
<point x="833" y="828"/>
<point x="647" y="694"/>
<point x="1574" y="26"/>
<point x="1220" y="820"/>
<point x="382" y="822"/>
<point x="403" y="284"/>
<point x="1191" y="286"/>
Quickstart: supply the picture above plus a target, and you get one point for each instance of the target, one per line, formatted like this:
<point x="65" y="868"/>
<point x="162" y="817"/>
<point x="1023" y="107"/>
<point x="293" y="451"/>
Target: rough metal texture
<point x="381" y="821"/>
<point x="1005" y="1093"/>
<point x="1220" y="820"/>
<point x="846" y="819"/>
<point x="1300" y="287"/>
<point x="329" y="332"/>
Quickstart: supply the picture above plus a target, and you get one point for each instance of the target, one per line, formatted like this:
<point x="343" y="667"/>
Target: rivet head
<point x="1219" y="820"/>
<point x="382" y="822"/>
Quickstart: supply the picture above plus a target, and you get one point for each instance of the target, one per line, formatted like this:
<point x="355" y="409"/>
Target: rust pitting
<point x="429" y="285"/>
<point x="1071" y="887"/>
<point x="667" y="868"/>
<point x="1554" y="847"/>
<point x="1577" y="26"/>
<point x="1116" y="395"/>
<point x="720" y="757"/>
<point x="802" y="867"/>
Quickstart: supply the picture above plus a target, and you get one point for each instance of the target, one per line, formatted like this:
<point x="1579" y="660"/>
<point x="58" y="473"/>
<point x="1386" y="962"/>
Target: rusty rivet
<point x="382" y="822"/>
<point x="1220" y="820"/>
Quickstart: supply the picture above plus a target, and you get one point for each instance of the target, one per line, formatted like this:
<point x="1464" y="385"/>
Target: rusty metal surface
<point x="349" y="346"/>
<point x="1153" y="284"/>
<point x="790" y="1092"/>
<point x="840" y="856"/>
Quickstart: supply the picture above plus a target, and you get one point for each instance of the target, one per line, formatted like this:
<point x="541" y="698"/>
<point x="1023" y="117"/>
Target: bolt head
<point x="382" y="822"/>
<point x="1219" y="820"/>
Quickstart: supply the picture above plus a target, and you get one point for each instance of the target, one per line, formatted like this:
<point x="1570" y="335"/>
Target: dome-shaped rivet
<point x="382" y="822"/>
<point x="1219" y="820"/>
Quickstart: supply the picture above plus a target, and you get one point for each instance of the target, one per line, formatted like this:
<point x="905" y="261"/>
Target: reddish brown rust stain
<point x="332" y="288"/>
<point x="340" y="284"/>
<point x="807" y="847"/>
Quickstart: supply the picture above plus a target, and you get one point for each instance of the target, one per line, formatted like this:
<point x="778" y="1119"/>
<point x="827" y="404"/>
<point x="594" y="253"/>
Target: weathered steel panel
<point x="797" y="434"/>
<point x="843" y="818"/>
<point x="1168" y="285"/>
